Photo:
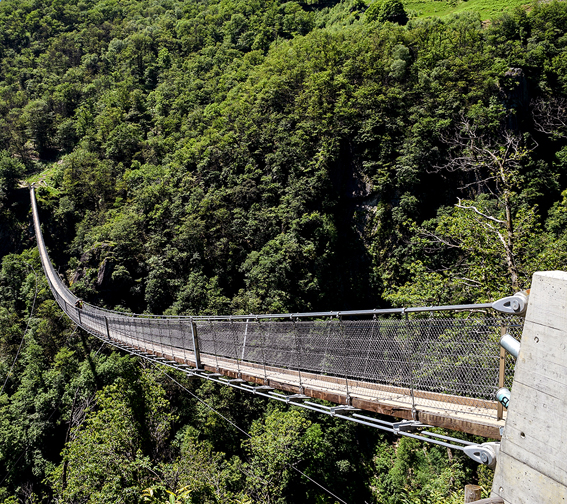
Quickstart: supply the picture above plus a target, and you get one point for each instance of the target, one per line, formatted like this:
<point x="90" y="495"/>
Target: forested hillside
<point x="219" y="156"/>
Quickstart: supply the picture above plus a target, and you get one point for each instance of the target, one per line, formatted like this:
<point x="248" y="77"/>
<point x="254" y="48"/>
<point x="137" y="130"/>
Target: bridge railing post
<point x="410" y="356"/>
<point x="158" y="338"/>
<point x="215" y="348"/>
<point x="139" y="324"/>
<point x="196" y="351"/>
<point x="118" y="329"/>
<point x="344" y="342"/>
<point x="325" y="360"/>
<point x="297" y="355"/>
<point x="370" y="345"/>
<point x="263" y="346"/>
<point x="176" y="334"/>
<point x="235" y="344"/>
<point x="156" y="342"/>
<point x="107" y="329"/>
<point x="166" y="337"/>
<point x="125" y="329"/>
<point x="162" y="347"/>
<point x="147" y="335"/>
<point x="174" y="348"/>
<point x="244" y="342"/>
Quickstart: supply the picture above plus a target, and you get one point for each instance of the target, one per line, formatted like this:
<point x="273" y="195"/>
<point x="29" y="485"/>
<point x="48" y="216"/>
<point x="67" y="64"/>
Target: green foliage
<point x="412" y="472"/>
<point x="10" y="172"/>
<point x="247" y="161"/>
<point x="387" y="10"/>
<point x="487" y="10"/>
<point x="206" y="475"/>
<point x="182" y="496"/>
<point x="274" y="447"/>
<point x="123" y="437"/>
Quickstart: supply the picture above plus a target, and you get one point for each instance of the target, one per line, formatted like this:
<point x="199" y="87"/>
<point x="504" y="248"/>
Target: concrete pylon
<point x="532" y="463"/>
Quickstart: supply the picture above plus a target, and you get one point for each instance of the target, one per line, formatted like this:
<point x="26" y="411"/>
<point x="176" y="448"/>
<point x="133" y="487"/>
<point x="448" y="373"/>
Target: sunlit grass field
<point x="488" y="9"/>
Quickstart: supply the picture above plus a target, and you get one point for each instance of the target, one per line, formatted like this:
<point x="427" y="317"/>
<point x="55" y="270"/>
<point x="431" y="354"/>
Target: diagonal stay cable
<point x="25" y="332"/>
<point x="202" y="401"/>
<point x="244" y="432"/>
<point x="15" y="464"/>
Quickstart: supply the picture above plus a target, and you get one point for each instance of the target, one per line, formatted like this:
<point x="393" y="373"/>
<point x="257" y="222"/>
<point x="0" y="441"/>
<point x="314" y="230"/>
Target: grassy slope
<point x="488" y="9"/>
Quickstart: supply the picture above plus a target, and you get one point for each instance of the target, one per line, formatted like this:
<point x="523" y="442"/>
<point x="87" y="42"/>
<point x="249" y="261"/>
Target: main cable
<point x="244" y="432"/>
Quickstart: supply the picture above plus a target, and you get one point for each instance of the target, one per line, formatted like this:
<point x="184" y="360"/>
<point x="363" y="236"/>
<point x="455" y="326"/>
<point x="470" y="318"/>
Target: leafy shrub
<point x="387" y="10"/>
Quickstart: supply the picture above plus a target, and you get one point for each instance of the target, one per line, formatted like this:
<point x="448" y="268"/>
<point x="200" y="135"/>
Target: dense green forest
<point x="248" y="156"/>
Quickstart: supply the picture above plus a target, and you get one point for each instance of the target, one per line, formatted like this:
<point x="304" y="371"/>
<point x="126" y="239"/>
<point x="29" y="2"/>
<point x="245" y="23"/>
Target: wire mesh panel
<point x="179" y="334"/>
<point x="207" y="341"/>
<point x="279" y="341"/>
<point x="456" y="356"/>
<point x="381" y="351"/>
<point x="221" y="337"/>
<point x="254" y="341"/>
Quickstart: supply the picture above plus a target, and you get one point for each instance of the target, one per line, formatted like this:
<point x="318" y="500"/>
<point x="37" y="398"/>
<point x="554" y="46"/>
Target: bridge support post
<point x="532" y="463"/>
<point x="472" y="493"/>
<point x="196" y="351"/>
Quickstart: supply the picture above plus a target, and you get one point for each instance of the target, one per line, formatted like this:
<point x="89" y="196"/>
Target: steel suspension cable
<point x="202" y="401"/>
<point x="291" y="466"/>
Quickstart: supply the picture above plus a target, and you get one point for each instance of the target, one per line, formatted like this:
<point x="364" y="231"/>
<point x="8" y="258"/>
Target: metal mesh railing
<point x="441" y="361"/>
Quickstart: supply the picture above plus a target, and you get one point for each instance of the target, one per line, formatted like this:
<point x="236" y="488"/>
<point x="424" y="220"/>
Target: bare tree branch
<point x="549" y="116"/>
<point x="469" y="281"/>
<point x="477" y="211"/>
<point x="493" y="157"/>
<point x="437" y="238"/>
<point x="471" y="149"/>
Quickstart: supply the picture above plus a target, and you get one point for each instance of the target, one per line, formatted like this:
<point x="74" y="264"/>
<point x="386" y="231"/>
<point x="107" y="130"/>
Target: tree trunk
<point x="510" y="259"/>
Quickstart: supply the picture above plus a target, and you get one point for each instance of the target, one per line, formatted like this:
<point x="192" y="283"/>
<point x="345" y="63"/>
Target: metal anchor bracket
<point x="485" y="453"/>
<point x="516" y="304"/>
<point x="287" y="398"/>
<point x="295" y="397"/>
<point x="265" y="388"/>
<point x="407" y="426"/>
<point x="341" y="408"/>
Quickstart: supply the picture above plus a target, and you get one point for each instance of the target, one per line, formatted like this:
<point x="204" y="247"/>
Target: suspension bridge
<point x="438" y="366"/>
<point x="423" y="366"/>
